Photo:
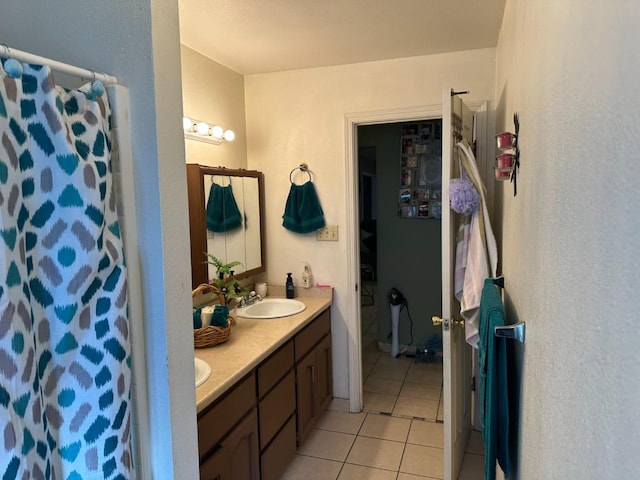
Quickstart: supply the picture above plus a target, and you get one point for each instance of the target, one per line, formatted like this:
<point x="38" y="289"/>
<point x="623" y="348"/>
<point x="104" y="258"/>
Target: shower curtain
<point x="64" y="333"/>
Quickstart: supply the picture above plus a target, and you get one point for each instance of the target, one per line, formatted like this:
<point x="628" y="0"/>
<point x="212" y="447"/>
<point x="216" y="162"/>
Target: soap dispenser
<point x="289" y="286"/>
<point x="306" y="277"/>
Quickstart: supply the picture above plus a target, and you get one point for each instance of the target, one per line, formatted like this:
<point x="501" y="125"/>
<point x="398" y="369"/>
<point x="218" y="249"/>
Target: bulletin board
<point x="420" y="183"/>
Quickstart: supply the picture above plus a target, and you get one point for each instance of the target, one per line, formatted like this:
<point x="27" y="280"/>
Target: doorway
<point x="352" y="122"/>
<point x="400" y="249"/>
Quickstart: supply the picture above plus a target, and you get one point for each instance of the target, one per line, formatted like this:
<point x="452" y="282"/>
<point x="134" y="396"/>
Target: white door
<point x="457" y="122"/>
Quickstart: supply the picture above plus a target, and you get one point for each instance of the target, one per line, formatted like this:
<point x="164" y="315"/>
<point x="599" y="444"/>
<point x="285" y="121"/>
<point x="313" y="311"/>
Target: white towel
<point x="481" y="252"/>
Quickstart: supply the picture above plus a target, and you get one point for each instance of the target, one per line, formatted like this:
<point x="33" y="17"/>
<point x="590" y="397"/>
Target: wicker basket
<point x="211" y="335"/>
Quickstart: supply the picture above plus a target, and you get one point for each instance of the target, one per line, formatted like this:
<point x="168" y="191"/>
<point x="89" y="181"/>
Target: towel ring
<point x="303" y="168"/>
<point x="228" y="176"/>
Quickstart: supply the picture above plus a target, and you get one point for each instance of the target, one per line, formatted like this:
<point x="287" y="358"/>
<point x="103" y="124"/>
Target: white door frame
<point x="351" y="123"/>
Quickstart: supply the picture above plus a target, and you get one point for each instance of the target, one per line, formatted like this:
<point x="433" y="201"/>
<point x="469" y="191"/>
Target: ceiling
<point x="260" y="36"/>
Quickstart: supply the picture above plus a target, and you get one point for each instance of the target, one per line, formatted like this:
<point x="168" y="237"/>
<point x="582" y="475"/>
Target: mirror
<point x="226" y="219"/>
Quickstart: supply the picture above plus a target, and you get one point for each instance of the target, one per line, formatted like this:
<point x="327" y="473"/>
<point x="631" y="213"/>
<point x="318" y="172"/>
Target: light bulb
<point x="217" y="131"/>
<point x="187" y="123"/>
<point x="203" y="128"/>
<point x="229" y="135"/>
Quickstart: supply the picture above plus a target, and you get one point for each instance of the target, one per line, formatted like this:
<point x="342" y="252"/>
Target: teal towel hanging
<point x="302" y="212"/>
<point x="223" y="214"/>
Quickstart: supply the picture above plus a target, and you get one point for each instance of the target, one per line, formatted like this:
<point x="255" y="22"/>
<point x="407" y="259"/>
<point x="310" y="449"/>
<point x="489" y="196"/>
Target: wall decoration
<point x="420" y="182"/>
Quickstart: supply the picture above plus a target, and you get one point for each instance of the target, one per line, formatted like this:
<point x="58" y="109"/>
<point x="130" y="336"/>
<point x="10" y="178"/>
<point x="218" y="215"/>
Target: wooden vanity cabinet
<point x="314" y="379"/>
<point x="252" y="432"/>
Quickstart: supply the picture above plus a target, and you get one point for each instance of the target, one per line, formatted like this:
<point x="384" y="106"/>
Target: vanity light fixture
<point x="204" y="132"/>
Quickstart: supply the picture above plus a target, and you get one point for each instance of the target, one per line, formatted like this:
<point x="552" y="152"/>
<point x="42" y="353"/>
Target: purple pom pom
<point x="463" y="196"/>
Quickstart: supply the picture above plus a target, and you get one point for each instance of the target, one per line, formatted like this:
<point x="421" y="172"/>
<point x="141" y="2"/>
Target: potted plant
<point x="226" y="285"/>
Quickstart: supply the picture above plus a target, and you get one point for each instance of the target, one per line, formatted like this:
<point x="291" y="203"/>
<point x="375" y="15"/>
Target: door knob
<point x="436" y="320"/>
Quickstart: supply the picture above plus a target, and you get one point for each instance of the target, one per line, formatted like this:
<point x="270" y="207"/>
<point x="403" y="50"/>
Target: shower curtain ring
<point x="97" y="87"/>
<point x="11" y="65"/>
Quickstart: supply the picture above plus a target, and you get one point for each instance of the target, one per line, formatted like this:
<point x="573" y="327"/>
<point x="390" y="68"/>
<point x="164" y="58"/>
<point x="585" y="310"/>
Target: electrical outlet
<point x="328" y="233"/>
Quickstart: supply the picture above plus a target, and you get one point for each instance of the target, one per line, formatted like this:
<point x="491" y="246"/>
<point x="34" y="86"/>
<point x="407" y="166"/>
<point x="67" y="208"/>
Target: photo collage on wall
<point x="420" y="192"/>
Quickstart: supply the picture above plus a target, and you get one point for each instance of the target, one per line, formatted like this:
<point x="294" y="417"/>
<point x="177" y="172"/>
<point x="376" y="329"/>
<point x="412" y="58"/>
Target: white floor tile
<point x="342" y="422"/>
<point x="385" y="427"/>
<point x="416" y="408"/>
<point x="382" y="385"/>
<point x="311" y="468"/>
<point x="421" y="390"/>
<point x="327" y="445"/>
<point x="428" y="434"/>
<point x="358" y="472"/>
<point x="419" y="460"/>
<point x="366" y="370"/>
<point x="378" y="402"/>
<point x="376" y="453"/>
<point x="390" y="371"/>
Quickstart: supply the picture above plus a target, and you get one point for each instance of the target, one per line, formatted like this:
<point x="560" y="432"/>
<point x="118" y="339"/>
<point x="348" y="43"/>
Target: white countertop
<point x="251" y="341"/>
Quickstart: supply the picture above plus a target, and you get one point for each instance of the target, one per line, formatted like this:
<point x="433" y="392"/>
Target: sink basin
<point x="203" y="370"/>
<point x="272" y="308"/>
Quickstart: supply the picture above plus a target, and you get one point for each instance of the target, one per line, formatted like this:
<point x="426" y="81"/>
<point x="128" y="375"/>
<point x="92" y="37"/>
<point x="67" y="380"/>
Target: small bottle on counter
<point x="289" y="286"/>
<point x="307" y="278"/>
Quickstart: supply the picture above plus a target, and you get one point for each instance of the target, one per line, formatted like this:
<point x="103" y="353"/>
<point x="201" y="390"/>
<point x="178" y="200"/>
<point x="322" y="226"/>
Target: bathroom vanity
<point x="268" y="385"/>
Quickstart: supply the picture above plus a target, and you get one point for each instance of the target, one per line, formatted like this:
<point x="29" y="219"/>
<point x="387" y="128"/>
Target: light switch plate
<point x="328" y="233"/>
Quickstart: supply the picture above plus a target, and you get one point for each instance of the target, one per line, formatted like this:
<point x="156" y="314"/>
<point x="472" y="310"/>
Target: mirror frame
<point x="197" y="227"/>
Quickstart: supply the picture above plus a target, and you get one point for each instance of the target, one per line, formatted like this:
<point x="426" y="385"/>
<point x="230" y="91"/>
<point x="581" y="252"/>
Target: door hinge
<point x="473" y="383"/>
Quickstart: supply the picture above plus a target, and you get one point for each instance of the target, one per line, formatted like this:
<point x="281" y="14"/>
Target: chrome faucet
<point x="250" y="300"/>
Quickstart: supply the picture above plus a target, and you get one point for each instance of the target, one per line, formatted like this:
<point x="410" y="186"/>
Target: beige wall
<point x="570" y="237"/>
<point x="299" y="116"/>
<point x="215" y="94"/>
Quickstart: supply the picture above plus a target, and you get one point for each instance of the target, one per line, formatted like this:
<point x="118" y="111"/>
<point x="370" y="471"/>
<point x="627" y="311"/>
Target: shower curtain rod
<point x="65" y="68"/>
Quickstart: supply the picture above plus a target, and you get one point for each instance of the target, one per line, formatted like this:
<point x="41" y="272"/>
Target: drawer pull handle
<point x="313" y="397"/>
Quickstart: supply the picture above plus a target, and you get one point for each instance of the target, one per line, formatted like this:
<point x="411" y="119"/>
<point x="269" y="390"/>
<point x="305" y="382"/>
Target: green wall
<point x="408" y="249"/>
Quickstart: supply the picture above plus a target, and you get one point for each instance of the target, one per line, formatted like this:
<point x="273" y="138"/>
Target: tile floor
<point x="399" y="433"/>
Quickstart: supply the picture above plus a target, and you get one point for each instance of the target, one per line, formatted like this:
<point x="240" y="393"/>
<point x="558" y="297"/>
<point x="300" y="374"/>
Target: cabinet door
<point x="307" y="397"/>
<point x="280" y="452"/>
<point x="237" y="457"/>
<point x="324" y="374"/>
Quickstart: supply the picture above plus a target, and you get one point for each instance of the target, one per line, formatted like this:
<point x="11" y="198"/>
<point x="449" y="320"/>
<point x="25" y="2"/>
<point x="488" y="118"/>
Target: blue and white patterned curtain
<point x="65" y="370"/>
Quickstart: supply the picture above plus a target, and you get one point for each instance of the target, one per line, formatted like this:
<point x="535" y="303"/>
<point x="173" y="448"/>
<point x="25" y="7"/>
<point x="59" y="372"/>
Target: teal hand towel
<point x="197" y="318"/>
<point x="220" y="314"/>
<point x="494" y="390"/>
<point x="223" y="214"/>
<point x="302" y="212"/>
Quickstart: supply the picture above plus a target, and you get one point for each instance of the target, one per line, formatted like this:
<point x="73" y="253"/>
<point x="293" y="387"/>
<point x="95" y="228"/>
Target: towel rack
<point x="303" y="167"/>
<point x="515" y="331"/>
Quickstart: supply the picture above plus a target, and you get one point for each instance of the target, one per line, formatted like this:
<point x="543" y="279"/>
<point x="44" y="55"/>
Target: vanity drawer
<point x="216" y="422"/>
<point x="276" y="407"/>
<point x="274" y="369"/>
<point x="282" y="450"/>
<point x="312" y="334"/>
